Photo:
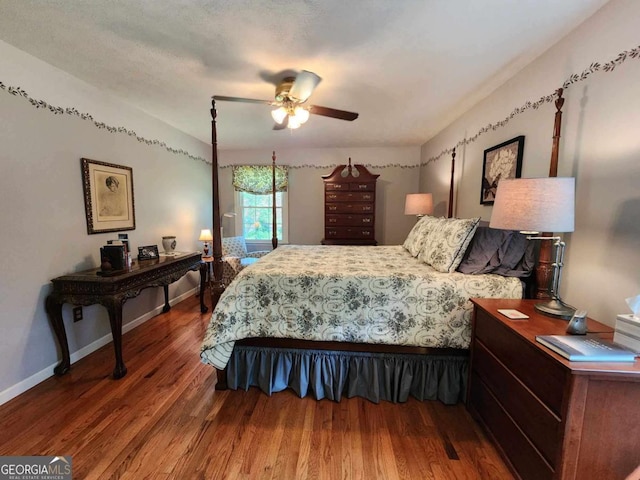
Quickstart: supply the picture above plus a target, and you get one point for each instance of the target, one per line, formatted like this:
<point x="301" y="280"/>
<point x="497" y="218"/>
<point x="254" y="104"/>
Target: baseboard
<point x="47" y="372"/>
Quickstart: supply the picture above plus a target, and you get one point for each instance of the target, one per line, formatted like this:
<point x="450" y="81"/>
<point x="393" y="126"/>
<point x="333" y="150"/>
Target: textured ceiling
<point x="408" y="67"/>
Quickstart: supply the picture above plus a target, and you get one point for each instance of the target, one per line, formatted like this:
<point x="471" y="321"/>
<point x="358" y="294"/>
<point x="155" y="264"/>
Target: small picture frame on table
<point x="148" y="252"/>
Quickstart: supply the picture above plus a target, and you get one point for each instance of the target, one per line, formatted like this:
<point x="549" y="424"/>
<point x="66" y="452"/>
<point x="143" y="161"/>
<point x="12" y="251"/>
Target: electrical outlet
<point x="77" y="314"/>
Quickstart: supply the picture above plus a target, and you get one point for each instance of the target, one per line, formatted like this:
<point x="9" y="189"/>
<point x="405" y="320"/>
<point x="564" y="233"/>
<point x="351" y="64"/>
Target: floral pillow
<point x="447" y="242"/>
<point x="418" y="235"/>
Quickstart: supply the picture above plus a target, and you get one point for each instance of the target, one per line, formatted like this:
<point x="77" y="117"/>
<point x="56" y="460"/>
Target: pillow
<point x="447" y="242"/>
<point x="486" y="250"/>
<point x="503" y="252"/>
<point x="418" y="235"/>
<point x="520" y="258"/>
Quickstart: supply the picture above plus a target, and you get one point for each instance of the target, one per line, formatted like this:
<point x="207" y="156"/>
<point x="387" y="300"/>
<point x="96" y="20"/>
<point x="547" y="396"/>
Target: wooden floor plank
<point x="164" y="420"/>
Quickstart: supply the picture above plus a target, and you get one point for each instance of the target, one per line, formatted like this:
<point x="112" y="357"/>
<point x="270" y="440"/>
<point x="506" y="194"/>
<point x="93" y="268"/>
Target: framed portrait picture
<point x="501" y="161"/>
<point x="108" y="196"/>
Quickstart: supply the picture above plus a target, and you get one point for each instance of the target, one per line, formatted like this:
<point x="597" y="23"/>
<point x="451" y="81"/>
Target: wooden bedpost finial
<point x="559" y="100"/>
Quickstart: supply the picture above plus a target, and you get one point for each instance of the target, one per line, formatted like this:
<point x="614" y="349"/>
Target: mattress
<point x="361" y="294"/>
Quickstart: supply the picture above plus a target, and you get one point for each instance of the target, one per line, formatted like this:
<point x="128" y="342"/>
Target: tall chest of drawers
<point x="349" y="206"/>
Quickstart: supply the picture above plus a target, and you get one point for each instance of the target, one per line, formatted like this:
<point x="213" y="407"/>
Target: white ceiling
<point x="408" y="67"/>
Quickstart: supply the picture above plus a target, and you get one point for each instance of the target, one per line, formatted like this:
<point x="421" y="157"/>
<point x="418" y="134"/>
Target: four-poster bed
<point x="378" y="322"/>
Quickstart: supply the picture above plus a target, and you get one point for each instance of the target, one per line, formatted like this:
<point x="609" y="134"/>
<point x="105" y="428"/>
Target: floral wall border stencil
<point x="19" y="92"/>
<point x="608" y="67"/>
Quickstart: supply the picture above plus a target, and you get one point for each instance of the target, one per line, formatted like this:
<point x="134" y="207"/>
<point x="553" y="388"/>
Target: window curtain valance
<point x="257" y="179"/>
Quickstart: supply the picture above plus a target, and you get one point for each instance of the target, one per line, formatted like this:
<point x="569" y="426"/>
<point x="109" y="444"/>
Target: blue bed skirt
<point x="333" y="374"/>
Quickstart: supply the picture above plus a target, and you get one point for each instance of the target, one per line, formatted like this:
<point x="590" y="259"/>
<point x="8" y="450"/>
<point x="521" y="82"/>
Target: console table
<point x="112" y="290"/>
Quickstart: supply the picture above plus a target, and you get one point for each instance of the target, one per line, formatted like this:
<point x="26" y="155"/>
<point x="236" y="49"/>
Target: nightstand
<point x="551" y="418"/>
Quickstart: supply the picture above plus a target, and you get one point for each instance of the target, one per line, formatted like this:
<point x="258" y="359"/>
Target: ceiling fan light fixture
<point x="301" y="115"/>
<point x="293" y="122"/>
<point x="279" y="114"/>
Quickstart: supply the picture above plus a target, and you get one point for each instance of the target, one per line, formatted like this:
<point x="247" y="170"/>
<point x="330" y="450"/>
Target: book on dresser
<point x="586" y="348"/>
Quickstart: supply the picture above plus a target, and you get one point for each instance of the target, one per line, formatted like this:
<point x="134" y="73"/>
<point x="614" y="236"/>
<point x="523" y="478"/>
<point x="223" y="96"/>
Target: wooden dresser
<point x="349" y="206"/>
<point x="551" y="418"/>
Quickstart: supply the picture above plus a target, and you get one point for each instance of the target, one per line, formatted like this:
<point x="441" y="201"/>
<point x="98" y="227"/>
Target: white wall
<point x="397" y="167"/>
<point x="600" y="146"/>
<point x="43" y="227"/>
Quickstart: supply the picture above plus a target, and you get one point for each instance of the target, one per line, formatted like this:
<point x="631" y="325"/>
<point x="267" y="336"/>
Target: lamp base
<point x="555" y="308"/>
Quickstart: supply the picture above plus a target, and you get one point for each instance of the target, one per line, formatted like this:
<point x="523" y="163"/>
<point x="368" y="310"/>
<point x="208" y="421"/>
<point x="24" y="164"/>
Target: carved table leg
<point x="166" y="307"/>
<point x="114" y="307"/>
<point x="204" y="267"/>
<point x="53" y="306"/>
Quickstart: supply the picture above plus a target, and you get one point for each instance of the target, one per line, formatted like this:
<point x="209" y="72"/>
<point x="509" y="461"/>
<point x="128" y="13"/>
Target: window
<point x="254" y="201"/>
<point x="255" y="216"/>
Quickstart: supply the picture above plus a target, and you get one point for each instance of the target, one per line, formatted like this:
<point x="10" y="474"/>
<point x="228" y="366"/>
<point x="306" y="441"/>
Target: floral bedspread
<point x="348" y="293"/>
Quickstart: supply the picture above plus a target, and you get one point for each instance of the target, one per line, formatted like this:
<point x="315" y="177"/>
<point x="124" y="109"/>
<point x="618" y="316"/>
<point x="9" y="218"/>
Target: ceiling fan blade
<point x="333" y="113"/>
<point x="239" y="99"/>
<point x="303" y="86"/>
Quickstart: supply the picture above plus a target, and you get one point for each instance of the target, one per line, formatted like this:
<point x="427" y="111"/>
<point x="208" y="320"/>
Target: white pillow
<point x="418" y="235"/>
<point x="446" y="243"/>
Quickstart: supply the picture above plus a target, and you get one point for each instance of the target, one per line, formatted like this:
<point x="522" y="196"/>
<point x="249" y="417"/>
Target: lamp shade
<point x="418" y="204"/>
<point x="205" y="235"/>
<point x="535" y="204"/>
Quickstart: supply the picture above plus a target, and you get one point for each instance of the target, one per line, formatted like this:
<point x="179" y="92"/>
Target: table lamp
<point x="533" y="205"/>
<point x="418" y="204"/>
<point x="206" y="237"/>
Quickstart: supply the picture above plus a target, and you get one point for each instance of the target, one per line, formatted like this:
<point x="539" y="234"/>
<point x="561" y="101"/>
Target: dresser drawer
<point x="546" y="380"/>
<point x="348" y="232"/>
<point x="536" y="421"/>
<point x="349" y="196"/>
<point x="349" y="208"/>
<point x="524" y="458"/>
<point x="362" y="187"/>
<point x="336" y="186"/>
<point x="349" y="220"/>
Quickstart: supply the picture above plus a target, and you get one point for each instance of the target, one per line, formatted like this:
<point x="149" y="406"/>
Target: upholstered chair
<point x="235" y="257"/>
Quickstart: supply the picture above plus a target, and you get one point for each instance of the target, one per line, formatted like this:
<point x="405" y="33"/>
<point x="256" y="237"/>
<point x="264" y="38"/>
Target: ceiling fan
<point x="290" y="98"/>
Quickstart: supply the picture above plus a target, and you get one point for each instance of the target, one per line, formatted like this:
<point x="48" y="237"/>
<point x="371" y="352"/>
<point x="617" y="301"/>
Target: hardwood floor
<point x="164" y="420"/>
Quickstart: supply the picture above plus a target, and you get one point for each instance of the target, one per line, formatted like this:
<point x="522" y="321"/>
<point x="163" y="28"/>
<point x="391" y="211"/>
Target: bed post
<point x="544" y="267"/>
<point x="453" y="167"/>
<point x="274" y="222"/>
<point x="218" y="286"/>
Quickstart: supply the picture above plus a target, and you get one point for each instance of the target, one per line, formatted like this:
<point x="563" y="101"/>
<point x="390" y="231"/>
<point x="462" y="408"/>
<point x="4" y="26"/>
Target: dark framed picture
<point x="149" y="252"/>
<point x="501" y="161"/>
<point x="108" y="196"/>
